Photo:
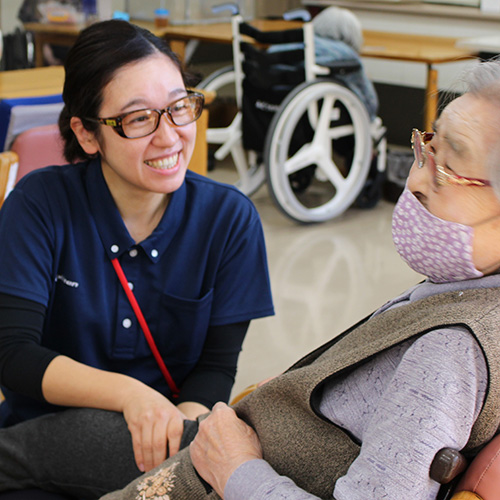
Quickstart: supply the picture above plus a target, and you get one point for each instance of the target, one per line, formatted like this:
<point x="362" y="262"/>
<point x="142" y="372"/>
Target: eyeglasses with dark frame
<point x="143" y="122"/>
<point x="423" y="156"/>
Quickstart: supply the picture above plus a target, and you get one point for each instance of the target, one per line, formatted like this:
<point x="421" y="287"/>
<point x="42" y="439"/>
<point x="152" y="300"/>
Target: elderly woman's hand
<point x="222" y="444"/>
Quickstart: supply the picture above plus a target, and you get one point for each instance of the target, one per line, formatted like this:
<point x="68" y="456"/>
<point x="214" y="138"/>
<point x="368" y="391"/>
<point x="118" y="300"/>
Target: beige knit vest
<point x="313" y="452"/>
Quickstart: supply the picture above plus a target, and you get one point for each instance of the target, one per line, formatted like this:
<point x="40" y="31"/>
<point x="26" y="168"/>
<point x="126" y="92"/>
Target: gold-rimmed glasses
<point x="424" y="157"/>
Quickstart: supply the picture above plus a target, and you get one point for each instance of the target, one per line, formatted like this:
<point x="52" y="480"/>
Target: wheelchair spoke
<point x="341" y="131"/>
<point x="332" y="173"/>
<point x="306" y="155"/>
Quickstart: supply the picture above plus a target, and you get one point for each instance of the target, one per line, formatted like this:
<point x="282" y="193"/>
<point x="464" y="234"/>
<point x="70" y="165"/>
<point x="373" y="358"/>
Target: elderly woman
<point x="363" y="416"/>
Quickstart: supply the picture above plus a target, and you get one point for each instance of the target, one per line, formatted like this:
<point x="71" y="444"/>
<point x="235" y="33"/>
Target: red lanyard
<point x="145" y="327"/>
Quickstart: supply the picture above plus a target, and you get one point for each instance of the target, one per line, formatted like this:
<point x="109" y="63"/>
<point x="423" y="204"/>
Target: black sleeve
<point x="213" y="377"/>
<point x="23" y="360"/>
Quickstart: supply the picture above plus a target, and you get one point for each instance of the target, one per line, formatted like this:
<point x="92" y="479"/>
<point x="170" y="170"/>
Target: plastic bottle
<point x="161" y="17"/>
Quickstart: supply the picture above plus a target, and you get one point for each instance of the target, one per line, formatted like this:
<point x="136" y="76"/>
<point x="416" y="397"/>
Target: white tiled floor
<point x="324" y="277"/>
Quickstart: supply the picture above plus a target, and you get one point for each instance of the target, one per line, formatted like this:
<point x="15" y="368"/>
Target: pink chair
<point x="38" y="147"/>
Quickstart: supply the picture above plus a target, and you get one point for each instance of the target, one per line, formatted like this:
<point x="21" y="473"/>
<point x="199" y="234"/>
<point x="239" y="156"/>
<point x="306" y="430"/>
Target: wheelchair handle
<point x="222" y="7"/>
<point x="293" y="14"/>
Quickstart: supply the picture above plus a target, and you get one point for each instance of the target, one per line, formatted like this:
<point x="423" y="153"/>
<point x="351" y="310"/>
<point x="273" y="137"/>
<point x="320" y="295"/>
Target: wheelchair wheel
<point x="224" y="135"/>
<point x="318" y="151"/>
<point x="223" y="83"/>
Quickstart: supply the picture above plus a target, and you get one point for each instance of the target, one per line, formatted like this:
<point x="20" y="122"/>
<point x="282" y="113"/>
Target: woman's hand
<point x="156" y="426"/>
<point x="222" y="444"/>
<point x="155" y="423"/>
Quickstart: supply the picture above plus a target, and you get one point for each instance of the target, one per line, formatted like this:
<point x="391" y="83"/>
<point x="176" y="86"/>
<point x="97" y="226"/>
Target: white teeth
<point x="164" y="164"/>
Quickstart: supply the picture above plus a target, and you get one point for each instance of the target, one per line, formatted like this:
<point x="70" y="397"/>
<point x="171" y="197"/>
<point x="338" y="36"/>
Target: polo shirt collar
<point x="111" y="228"/>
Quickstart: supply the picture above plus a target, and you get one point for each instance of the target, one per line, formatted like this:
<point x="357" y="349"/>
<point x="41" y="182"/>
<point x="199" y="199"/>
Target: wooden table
<point x="49" y="80"/>
<point x="428" y="50"/>
<point x="33" y="82"/>
<point x="29" y="98"/>
<point x="177" y="35"/>
<point x="66" y="34"/>
<point x="488" y="43"/>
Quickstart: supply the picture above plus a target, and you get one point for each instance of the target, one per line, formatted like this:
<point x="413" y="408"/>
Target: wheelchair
<point x="297" y="126"/>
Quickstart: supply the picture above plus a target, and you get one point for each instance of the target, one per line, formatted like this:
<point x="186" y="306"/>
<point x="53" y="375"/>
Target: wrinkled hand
<point x="156" y="426"/>
<point x="222" y="444"/>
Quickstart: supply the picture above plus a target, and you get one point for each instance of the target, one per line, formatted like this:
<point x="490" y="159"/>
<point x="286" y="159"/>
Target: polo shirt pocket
<point x="182" y="327"/>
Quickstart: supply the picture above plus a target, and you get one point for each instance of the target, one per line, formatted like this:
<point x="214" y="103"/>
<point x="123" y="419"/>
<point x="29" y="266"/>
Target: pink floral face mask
<point x="436" y="248"/>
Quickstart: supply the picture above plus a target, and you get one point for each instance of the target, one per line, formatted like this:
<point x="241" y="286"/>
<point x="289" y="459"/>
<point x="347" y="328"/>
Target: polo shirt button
<point x="127" y="323"/>
<point x="133" y="252"/>
<point x="154" y="253"/>
<point x="115" y="248"/>
<point x="130" y="285"/>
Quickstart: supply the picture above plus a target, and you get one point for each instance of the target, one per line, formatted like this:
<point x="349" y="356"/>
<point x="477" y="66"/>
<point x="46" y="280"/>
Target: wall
<point x="8" y="15"/>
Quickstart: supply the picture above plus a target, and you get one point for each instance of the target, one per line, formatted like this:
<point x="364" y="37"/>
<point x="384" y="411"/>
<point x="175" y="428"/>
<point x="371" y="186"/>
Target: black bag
<point x="268" y="77"/>
<point x="18" y="50"/>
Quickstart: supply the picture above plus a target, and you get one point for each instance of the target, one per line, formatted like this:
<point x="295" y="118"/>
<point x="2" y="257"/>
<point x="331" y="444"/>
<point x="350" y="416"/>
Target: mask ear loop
<point x="145" y="327"/>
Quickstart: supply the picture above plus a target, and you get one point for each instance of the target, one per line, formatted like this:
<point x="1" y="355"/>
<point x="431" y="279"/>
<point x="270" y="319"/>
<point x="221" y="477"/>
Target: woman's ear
<point x="85" y="137"/>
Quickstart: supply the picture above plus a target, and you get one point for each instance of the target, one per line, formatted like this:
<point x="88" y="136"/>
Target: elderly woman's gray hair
<point x="339" y="24"/>
<point x="484" y="81"/>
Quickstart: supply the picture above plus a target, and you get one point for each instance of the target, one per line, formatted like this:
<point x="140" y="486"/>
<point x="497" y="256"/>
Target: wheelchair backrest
<point x="268" y="65"/>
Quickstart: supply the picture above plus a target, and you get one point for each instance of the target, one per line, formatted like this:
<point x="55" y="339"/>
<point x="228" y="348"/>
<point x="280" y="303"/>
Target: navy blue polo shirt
<point x="204" y="265"/>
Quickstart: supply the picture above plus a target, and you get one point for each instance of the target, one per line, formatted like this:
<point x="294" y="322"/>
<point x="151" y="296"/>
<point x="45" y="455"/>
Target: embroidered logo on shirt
<point x="67" y="282"/>
<point x="159" y="485"/>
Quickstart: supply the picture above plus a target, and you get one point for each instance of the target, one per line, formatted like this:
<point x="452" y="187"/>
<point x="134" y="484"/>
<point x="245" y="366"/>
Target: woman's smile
<point x="166" y="163"/>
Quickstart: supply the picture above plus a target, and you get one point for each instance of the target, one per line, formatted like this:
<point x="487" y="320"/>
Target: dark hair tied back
<point x="99" y="51"/>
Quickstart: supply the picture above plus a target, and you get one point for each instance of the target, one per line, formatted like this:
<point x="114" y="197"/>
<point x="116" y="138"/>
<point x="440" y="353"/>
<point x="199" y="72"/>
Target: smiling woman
<point x="128" y="282"/>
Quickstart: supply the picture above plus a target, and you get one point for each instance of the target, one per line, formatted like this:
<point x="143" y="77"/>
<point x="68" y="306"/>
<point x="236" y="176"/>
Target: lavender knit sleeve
<point x="257" y="480"/>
